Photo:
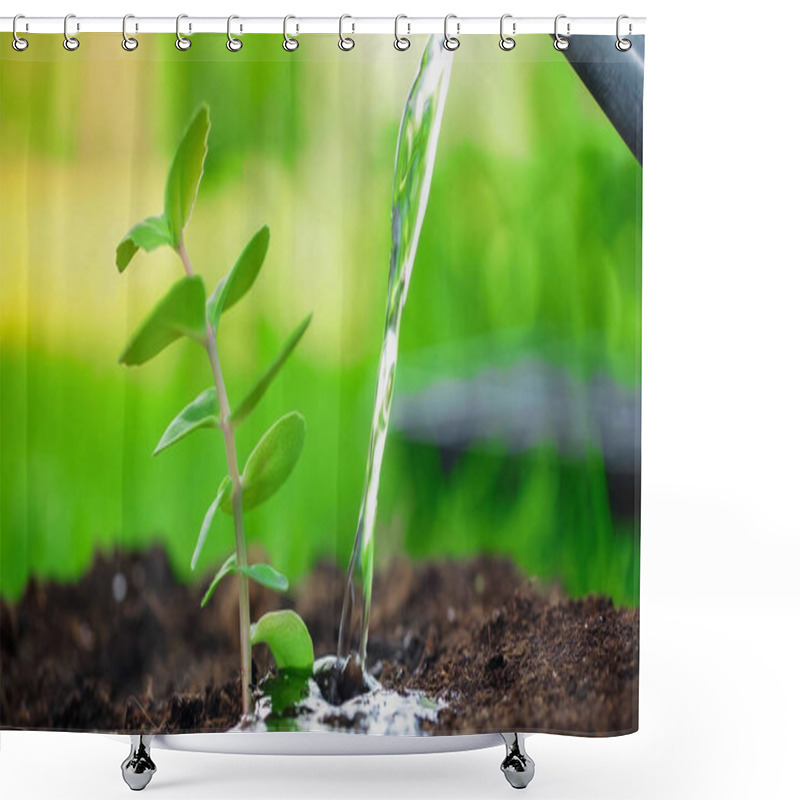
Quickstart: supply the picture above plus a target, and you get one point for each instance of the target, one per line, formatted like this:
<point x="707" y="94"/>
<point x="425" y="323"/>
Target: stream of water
<point x="341" y="693"/>
<point x="413" y="169"/>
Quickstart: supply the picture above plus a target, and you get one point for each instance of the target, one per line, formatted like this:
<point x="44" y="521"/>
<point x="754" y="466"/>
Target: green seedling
<point x="186" y="312"/>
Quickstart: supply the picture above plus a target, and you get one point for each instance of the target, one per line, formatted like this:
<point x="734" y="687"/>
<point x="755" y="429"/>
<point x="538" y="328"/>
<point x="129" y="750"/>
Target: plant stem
<point x="236" y="499"/>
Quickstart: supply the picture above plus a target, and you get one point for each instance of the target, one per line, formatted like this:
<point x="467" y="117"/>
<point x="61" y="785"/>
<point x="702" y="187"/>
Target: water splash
<point x="287" y="702"/>
<point x="413" y="169"/>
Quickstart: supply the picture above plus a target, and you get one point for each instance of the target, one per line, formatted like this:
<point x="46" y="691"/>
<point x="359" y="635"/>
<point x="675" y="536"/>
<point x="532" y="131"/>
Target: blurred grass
<point x="532" y="236"/>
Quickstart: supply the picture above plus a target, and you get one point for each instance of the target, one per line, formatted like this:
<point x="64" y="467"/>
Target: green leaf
<point x="228" y="568"/>
<point x="286" y="635"/>
<point x="182" y="184"/>
<point x="240" y="277"/>
<point x="271" y="462"/>
<point x="208" y="519"/>
<point x="267" y="576"/>
<point x="148" y="234"/>
<point x="263" y="383"/>
<point x="202" y="412"/>
<point x="185" y="173"/>
<point x="181" y="312"/>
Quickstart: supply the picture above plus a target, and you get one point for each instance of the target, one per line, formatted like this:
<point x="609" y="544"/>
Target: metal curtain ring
<point x="507" y="42"/>
<point x="18" y="43"/>
<point x="70" y="42"/>
<point x="345" y="42"/>
<point x="128" y="42"/>
<point x="401" y="42"/>
<point x="623" y="45"/>
<point x="451" y="42"/>
<point x="181" y="42"/>
<point x="290" y="44"/>
<point x="233" y="44"/>
<point x="560" y="43"/>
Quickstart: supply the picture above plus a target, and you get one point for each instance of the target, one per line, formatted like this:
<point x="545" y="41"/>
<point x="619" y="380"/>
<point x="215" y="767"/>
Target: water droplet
<point x="119" y="587"/>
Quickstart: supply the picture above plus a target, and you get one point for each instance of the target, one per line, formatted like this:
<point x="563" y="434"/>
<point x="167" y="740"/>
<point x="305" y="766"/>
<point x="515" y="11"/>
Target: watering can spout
<point x="616" y="81"/>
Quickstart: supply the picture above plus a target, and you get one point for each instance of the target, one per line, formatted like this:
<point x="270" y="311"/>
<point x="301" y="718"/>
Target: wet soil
<point x="128" y="648"/>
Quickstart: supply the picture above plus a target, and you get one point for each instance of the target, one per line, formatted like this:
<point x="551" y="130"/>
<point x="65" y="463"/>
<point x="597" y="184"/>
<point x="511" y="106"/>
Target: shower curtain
<point x="244" y="486"/>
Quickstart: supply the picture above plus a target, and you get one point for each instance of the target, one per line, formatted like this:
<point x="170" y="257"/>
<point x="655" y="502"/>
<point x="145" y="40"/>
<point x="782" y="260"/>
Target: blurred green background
<point x="530" y="251"/>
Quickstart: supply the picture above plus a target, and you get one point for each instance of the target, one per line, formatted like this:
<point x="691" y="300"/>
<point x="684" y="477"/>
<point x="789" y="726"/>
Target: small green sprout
<point x="185" y="312"/>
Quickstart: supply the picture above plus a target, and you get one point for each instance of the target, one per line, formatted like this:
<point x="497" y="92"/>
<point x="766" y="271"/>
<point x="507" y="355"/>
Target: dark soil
<point x="505" y="652"/>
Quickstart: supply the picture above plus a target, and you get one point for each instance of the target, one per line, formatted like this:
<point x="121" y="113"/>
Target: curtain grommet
<point x="622" y="44"/>
<point x="71" y="43"/>
<point x="507" y="43"/>
<point x="181" y="42"/>
<point x="561" y="43"/>
<point x="451" y="43"/>
<point x="18" y="43"/>
<point x="129" y="43"/>
<point x="290" y="44"/>
<point x="401" y="43"/>
<point x="346" y="43"/>
<point x="233" y="44"/>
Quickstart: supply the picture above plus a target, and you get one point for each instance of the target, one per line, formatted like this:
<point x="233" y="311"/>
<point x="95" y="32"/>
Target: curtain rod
<point x="458" y="26"/>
